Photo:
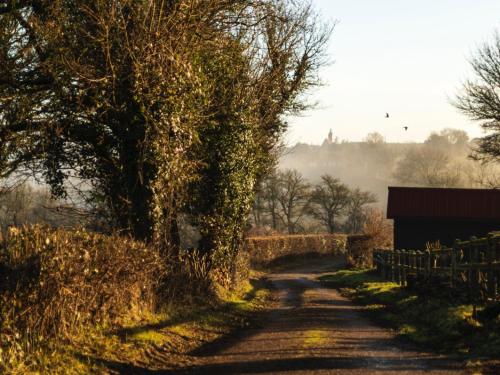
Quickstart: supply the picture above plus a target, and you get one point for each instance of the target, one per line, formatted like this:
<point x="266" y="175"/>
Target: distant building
<point x="329" y="140"/>
<point x="424" y="215"/>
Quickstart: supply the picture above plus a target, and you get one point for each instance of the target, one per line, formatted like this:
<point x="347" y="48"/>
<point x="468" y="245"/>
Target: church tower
<point x="329" y="140"/>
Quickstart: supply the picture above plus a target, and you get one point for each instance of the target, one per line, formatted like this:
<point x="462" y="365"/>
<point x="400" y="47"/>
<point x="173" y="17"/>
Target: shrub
<point x="264" y="250"/>
<point x="359" y="250"/>
<point x="54" y="282"/>
<point x="377" y="233"/>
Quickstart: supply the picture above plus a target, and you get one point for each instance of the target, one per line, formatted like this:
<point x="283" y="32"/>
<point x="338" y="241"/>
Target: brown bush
<point x="377" y="234"/>
<point x="264" y="250"/>
<point x="53" y="282"/>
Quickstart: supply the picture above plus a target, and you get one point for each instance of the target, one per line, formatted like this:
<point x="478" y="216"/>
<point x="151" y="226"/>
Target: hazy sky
<point x="405" y="57"/>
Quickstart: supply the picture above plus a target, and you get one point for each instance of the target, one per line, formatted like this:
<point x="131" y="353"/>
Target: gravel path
<point x="314" y="330"/>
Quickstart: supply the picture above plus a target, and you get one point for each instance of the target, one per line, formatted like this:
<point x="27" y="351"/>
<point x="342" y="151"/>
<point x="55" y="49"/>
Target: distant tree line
<point x="152" y="109"/>
<point x="442" y="160"/>
<point x="287" y="202"/>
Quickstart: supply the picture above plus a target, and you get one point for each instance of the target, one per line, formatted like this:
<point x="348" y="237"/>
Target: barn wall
<point x="415" y="233"/>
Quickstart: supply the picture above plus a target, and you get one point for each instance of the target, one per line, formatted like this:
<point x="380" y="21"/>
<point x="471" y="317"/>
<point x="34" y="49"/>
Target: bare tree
<point x="356" y="209"/>
<point x="258" y="209"/>
<point x="15" y="205"/>
<point x="374" y="138"/>
<point x="427" y="166"/>
<point x="270" y="192"/>
<point x="480" y="98"/>
<point x="482" y="175"/>
<point x="329" y="200"/>
<point x="292" y="198"/>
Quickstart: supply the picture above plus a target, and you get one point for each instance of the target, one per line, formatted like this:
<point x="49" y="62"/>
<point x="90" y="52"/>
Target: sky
<point x="404" y="57"/>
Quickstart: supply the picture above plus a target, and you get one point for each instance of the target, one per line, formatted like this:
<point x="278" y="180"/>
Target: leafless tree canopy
<point x="480" y="98"/>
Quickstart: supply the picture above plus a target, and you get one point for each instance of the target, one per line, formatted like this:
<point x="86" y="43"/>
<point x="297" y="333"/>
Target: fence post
<point x="496" y="258"/>
<point x="417" y="262"/>
<point x="385" y="263"/>
<point x="393" y="266"/>
<point x="395" y="262"/>
<point x="453" y="265"/>
<point x="420" y="263"/>
<point x="427" y="264"/>
<point x="404" y="255"/>
<point x="398" y="265"/>
<point x="490" y="271"/>
<point x="473" y="271"/>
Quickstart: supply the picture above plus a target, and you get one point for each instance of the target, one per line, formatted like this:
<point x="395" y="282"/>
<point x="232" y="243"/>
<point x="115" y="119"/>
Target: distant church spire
<point x="329" y="140"/>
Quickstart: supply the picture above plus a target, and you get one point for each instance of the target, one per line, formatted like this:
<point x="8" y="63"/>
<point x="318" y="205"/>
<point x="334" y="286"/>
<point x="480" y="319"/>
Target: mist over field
<point x="443" y="160"/>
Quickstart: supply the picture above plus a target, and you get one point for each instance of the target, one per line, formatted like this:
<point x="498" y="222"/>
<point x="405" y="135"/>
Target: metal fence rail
<point x="471" y="266"/>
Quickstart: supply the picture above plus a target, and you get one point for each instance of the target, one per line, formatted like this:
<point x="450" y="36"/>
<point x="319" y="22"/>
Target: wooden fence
<point x="470" y="266"/>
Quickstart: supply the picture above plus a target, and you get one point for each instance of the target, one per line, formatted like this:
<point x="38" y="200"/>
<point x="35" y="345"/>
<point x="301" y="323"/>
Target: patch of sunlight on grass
<point x="375" y="306"/>
<point x="181" y="330"/>
<point x="408" y="300"/>
<point x="348" y="278"/>
<point x="247" y="299"/>
<point x="385" y="292"/>
<point x="464" y="311"/>
<point x="407" y="329"/>
<point x="245" y="288"/>
<point x="150" y="336"/>
<point x="314" y="338"/>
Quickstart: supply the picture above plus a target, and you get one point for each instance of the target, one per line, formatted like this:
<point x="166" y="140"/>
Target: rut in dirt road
<point x="314" y="330"/>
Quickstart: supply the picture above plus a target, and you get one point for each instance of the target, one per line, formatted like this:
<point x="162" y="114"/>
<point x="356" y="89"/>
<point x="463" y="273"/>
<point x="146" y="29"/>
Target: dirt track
<point x="314" y="330"/>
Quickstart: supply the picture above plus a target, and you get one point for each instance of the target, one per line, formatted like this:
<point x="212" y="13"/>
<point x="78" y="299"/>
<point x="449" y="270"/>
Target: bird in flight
<point x="386" y="115"/>
<point x="405" y="128"/>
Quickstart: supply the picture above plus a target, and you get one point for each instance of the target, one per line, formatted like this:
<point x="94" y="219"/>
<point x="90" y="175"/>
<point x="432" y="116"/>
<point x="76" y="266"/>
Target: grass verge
<point x="154" y="342"/>
<point x="434" y="321"/>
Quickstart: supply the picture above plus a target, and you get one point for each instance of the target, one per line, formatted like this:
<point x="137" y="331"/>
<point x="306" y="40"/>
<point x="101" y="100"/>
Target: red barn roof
<point x="411" y="202"/>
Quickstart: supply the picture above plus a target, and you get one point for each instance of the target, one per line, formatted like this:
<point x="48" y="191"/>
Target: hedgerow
<point x="265" y="250"/>
<point x="54" y="282"/>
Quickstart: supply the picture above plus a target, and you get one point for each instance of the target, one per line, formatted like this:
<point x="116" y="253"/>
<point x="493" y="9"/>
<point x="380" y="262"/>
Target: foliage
<point x="98" y="90"/>
<point x="379" y="228"/>
<point x="377" y="234"/>
<point x="57" y="316"/>
<point x="128" y="96"/>
<point x="480" y="98"/>
<point x="58" y="284"/>
<point x="54" y="282"/>
<point x="228" y="156"/>
<point x="270" y="249"/>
